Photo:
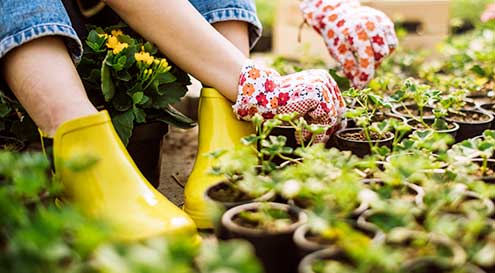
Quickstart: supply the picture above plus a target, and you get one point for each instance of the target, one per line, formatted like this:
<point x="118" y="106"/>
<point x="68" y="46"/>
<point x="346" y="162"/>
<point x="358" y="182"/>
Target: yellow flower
<point x="117" y="32"/>
<point x="164" y="63"/>
<point x="104" y="35"/>
<point x="144" y="57"/>
<point x="114" y="44"/>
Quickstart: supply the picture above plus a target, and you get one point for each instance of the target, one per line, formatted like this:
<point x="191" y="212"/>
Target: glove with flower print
<point x="313" y="94"/>
<point x="489" y="13"/>
<point x="358" y="37"/>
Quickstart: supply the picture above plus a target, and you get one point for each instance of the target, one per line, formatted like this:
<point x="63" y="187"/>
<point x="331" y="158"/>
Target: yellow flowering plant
<point x="127" y="75"/>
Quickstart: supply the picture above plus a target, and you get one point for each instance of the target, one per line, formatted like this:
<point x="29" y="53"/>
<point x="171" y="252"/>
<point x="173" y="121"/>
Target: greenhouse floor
<point x="178" y="155"/>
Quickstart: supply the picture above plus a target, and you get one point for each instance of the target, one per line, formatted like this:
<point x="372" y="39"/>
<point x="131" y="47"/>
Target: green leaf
<point x="478" y="70"/>
<point x="95" y="41"/>
<point x="122" y="102"/>
<point x="342" y="82"/>
<point x="172" y="93"/>
<point x="137" y="97"/>
<point x="123" y="75"/>
<point x="107" y="86"/>
<point x="4" y="110"/>
<point x="176" y="118"/>
<point x="139" y="114"/>
<point x="124" y="124"/>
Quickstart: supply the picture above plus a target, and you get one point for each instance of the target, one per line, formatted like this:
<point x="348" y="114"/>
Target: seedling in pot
<point x="422" y="95"/>
<point x="464" y="152"/>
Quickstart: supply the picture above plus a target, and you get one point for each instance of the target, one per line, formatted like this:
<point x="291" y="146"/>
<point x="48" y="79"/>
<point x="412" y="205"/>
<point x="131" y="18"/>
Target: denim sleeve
<point x="22" y="21"/>
<point x="231" y="10"/>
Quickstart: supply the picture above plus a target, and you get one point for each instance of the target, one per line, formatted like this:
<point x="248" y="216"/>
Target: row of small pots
<point x="459" y="129"/>
<point x="276" y="249"/>
<point x="294" y="248"/>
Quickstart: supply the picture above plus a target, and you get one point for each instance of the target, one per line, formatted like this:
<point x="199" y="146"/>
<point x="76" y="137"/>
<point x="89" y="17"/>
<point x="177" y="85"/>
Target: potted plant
<point x="422" y="97"/>
<point x="127" y="76"/>
<point x="269" y="227"/>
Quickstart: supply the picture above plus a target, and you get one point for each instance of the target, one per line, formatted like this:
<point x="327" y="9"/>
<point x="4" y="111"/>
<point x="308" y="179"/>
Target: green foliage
<point x="128" y="77"/>
<point x="40" y="234"/>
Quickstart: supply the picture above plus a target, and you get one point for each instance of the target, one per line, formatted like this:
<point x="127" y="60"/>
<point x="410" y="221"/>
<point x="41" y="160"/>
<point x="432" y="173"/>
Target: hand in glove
<point x="358" y="37"/>
<point x="313" y="94"/>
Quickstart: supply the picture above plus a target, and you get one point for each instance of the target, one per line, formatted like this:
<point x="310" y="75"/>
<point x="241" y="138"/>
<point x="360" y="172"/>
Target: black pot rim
<point x="446" y="131"/>
<point x="305" y="266"/>
<point x="300" y="239"/>
<point x="490" y="120"/>
<point x="231" y="225"/>
<point x="337" y="134"/>
<point x="269" y="195"/>
<point x="409" y="104"/>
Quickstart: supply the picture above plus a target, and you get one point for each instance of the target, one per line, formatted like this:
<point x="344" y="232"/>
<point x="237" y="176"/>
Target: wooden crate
<point x="431" y="17"/>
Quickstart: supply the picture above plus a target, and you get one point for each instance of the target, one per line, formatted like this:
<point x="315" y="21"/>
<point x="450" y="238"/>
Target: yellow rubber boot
<point x="113" y="189"/>
<point x="218" y="129"/>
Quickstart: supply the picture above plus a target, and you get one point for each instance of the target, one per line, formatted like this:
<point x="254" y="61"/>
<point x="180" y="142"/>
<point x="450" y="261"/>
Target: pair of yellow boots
<point x="113" y="189"/>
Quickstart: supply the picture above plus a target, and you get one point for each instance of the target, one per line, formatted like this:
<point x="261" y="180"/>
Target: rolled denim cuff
<point x="21" y="37"/>
<point x="238" y="14"/>
<point x="22" y="21"/>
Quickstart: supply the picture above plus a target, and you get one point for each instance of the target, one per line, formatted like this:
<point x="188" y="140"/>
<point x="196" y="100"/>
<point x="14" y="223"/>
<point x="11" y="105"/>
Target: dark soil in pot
<point x="274" y="246"/>
<point x="145" y="149"/>
<point x="11" y="144"/>
<point x="354" y="140"/>
<point x="308" y="242"/>
<point x="452" y="126"/>
<point x="490" y="108"/>
<point x="377" y="117"/>
<point x="482" y="96"/>
<point x="472" y="123"/>
<point x="427" y="252"/>
<point x="226" y="196"/>
<point x="409" y="110"/>
<point x="315" y="262"/>
<point x="489" y="175"/>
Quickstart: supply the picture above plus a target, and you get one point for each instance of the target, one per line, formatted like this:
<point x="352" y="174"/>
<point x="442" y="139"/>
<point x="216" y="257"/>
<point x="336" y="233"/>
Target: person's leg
<point x="42" y="76"/>
<point x="236" y="32"/>
<point x="196" y="46"/>
<point x="37" y="49"/>
<point x="236" y="20"/>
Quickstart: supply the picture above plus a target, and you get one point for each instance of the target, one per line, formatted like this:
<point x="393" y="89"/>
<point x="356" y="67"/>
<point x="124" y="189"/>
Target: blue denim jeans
<point x="22" y="21"/>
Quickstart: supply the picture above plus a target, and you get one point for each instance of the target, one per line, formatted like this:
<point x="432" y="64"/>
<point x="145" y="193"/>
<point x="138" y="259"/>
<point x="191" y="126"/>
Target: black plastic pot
<point x="11" y="144"/>
<point x="378" y="117"/>
<point x="417" y="192"/>
<point x="331" y="253"/>
<point x="275" y="249"/>
<point x="413" y="108"/>
<point x="289" y="132"/>
<point x="491" y="165"/>
<point x="471" y="129"/>
<point x="453" y="131"/>
<point x="489" y="108"/>
<point x="359" y="147"/>
<point x="306" y="246"/>
<point x="226" y="205"/>
<point x="145" y="149"/>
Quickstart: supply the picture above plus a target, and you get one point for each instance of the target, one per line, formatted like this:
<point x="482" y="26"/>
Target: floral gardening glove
<point x="358" y="37"/>
<point x="489" y="13"/>
<point x="313" y="94"/>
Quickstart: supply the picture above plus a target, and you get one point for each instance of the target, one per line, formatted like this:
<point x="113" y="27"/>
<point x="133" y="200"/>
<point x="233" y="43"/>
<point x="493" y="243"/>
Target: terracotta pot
<point x="275" y="249"/>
